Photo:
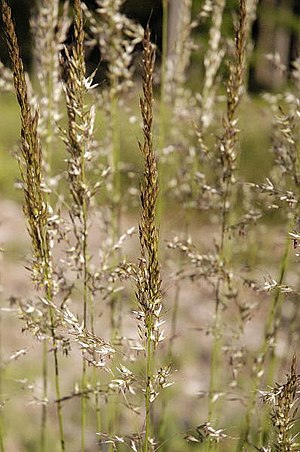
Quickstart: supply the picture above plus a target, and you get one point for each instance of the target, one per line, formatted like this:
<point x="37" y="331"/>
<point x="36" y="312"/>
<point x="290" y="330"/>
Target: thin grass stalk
<point x="162" y="141"/>
<point x="269" y="332"/>
<point x="43" y="437"/>
<point x="46" y="53"/>
<point x="77" y="139"/>
<point x="115" y="304"/>
<point x="114" y="114"/>
<point x="114" y="80"/>
<point x="170" y="354"/>
<point x="287" y="130"/>
<point x="117" y="37"/>
<point x="115" y="156"/>
<point x="274" y="315"/>
<point x="276" y="310"/>
<point x="149" y="289"/>
<point x="163" y="425"/>
<point x="228" y="155"/>
<point x="35" y="205"/>
<point x="284" y="138"/>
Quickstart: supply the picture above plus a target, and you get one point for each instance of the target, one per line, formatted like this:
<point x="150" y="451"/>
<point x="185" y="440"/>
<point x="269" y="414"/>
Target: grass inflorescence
<point x="164" y="281"/>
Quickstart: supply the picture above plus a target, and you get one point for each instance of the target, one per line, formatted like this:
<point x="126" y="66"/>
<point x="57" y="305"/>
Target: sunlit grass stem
<point x="228" y="157"/>
<point x="35" y="205"/>
<point x="77" y="144"/>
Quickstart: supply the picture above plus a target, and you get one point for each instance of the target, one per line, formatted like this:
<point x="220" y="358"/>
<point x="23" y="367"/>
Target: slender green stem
<point x="116" y="191"/>
<point x="217" y="342"/>
<point x="84" y="369"/>
<point x="174" y="319"/>
<point x="45" y="396"/>
<point x="274" y="314"/>
<point x="49" y="295"/>
<point x="116" y="145"/>
<point x="56" y="373"/>
<point x="97" y="402"/>
<point x="47" y="160"/>
<point x="163" y="421"/>
<point x="59" y="404"/>
<point x="115" y="306"/>
<point x="86" y="305"/>
<point x="149" y="357"/>
<point x="228" y="155"/>
<point x="83" y="406"/>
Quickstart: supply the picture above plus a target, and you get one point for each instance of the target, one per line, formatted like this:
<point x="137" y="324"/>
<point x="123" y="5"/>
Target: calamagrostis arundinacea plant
<point x="49" y="31"/>
<point x="283" y="401"/>
<point x="228" y="155"/>
<point x="77" y="139"/>
<point x="212" y="62"/>
<point x="283" y="186"/>
<point x="149" y="284"/>
<point x="35" y="204"/>
<point x="116" y="36"/>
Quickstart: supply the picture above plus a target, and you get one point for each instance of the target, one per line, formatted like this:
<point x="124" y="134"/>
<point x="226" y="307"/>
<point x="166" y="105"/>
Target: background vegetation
<point x="149" y="289"/>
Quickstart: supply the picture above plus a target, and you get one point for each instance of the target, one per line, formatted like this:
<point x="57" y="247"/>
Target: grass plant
<point x="35" y="205"/>
<point x="168" y="318"/>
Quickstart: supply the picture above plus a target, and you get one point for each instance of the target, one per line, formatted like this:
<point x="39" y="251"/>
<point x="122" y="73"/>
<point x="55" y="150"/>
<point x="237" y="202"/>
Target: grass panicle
<point x="283" y="401"/>
<point x="149" y="288"/>
<point x="212" y="264"/>
<point x="35" y="207"/>
<point x="77" y="139"/>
